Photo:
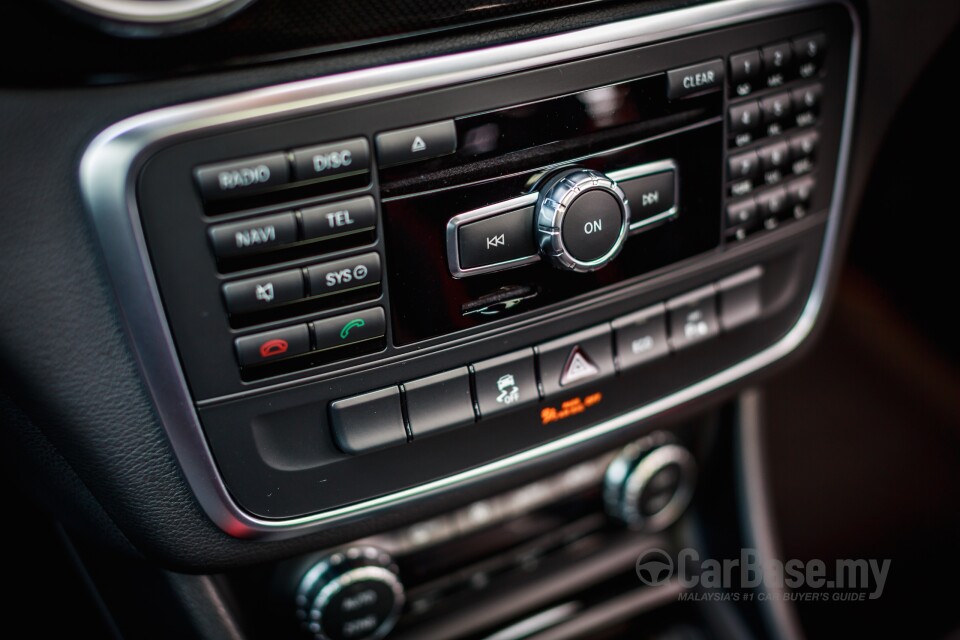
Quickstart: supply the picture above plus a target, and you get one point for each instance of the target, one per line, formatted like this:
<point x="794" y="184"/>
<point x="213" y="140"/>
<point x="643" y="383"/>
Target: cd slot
<point x="498" y="143"/>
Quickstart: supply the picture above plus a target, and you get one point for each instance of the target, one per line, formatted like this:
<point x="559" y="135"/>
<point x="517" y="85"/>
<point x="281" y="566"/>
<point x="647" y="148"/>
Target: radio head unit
<point x="352" y="292"/>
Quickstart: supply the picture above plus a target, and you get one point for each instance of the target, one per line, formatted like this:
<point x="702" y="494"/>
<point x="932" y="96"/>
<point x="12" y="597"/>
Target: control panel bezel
<point x="113" y="161"/>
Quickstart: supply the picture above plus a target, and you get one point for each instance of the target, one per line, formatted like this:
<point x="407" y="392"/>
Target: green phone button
<point x="368" y="324"/>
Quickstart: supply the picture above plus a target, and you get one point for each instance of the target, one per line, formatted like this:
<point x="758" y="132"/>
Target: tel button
<point x="350" y="328"/>
<point x="339" y="218"/>
<point x="268" y="346"/>
<point x="496" y="240"/>
<point x="340" y="275"/>
<point x="332" y="160"/>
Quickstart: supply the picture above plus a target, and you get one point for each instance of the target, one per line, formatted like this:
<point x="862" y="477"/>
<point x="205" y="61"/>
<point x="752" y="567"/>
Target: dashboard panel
<point x="270" y="242"/>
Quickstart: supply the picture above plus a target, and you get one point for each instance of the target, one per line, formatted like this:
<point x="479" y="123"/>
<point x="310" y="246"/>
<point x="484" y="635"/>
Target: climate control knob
<point x="650" y="483"/>
<point x="582" y="219"/>
<point x="353" y="594"/>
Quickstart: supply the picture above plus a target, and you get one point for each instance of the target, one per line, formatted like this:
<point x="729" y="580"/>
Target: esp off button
<point x="695" y="79"/>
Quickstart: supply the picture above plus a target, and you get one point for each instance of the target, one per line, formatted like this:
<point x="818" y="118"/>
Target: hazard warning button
<point x="583" y="358"/>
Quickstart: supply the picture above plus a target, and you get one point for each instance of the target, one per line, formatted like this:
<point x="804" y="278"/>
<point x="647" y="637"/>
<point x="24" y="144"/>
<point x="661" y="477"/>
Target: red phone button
<point x="273" y="345"/>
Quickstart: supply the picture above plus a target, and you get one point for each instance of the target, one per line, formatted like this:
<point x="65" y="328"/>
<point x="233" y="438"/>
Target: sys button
<point x="342" y="275"/>
<point x="500" y="239"/>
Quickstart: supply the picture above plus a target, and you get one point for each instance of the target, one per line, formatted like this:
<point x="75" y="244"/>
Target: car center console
<point x="356" y="291"/>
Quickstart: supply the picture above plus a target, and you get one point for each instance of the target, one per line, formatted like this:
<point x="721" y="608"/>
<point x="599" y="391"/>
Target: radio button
<point x="254" y="294"/>
<point x="585" y="357"/>
<point x="650" y="195"/>
<point x="242" y="177"/>
<point x="496" y="240"/>
<point x="339" y="218"/>
<point x="268" y="346"/>
<point x="693" y="317"/>
<point x="416" y="143"/>
<point x="253" y="235"/>
<point x="695" y="79"/>
<point x="332" y="160"/>
<point x="505" y="383"/>
<point x="349" y="328"/>
<point x="341" y="275"/>
<point x="368" y="422"/>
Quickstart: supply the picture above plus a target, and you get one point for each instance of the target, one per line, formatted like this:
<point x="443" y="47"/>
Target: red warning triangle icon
<point x="578" y="367"/>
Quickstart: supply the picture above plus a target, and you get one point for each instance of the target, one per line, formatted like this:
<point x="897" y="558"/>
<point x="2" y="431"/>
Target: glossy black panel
<point x="546" y="132"/>
<point x="264" y="31"/>
<point x="420" y="221"/>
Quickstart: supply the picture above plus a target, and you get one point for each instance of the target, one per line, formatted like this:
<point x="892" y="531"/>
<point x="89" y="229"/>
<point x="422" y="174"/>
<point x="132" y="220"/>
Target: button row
<point x="771" y="115"/>
<point x="770" y="163"/>
<point x="771" y="207"/>
<point x="322" y="222"/>
<point x="274" y="289"/>
<point x="501" y="236"/>
<point x="522" y="378"/>
<point x="250" y="176"/>
<point x="774" y="65"/>
<point x="329" y="333"/>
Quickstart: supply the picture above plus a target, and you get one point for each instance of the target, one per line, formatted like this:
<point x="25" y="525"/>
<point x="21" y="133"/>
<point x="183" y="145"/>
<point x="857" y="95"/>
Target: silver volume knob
<point x="648" y="486"/>
<point x="352" y="594"/>
<point x="582" y="219"/>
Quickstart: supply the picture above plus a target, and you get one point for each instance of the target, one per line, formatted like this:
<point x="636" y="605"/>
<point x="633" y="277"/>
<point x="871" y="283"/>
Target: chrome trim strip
<point x="649" y="170"/>
<point x="112" y="161"/>
<point x="154" y="12"/>
<point x="453" y="246"/>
